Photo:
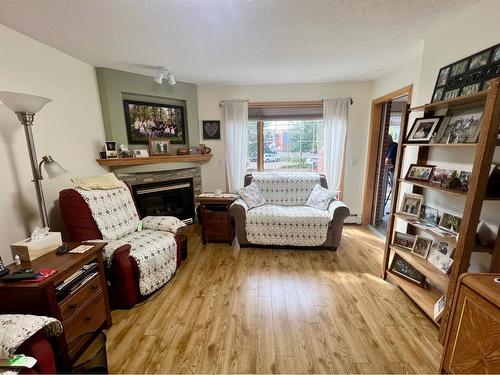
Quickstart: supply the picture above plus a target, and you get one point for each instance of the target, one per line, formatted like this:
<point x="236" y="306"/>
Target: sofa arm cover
<point x="338" y="210"/>
<point x="238" y="211"/>
<point x="163" y="223"/>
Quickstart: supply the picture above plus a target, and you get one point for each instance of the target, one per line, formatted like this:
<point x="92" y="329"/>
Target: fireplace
<point x="166" y="198"/>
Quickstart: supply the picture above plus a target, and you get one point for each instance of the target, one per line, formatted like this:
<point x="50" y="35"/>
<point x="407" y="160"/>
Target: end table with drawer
<point x="83" y="313"/>
<point x="217" y="224"/>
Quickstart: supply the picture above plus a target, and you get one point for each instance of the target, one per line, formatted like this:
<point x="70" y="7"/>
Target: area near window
<point x="286" y="137"/>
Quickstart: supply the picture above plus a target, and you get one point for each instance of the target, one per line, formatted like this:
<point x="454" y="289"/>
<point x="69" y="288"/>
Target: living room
<point x="257" y="190"/>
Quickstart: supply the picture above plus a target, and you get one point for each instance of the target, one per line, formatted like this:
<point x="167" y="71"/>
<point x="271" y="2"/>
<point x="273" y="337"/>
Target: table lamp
<point x="25" y="106"/>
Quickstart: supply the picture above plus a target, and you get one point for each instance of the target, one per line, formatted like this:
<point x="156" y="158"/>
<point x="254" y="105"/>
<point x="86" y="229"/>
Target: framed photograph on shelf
<point x="111" y="151"/>
<point x="402" y="268"/>
<point x="440" y="256"/>
<point x="450" y="222"/>
<point x="411" y="204"/>
<point x="423" y="129"/>
<point x="464" y="178"/>
<point x="211" y="129"/>
<point x="422" y="246"/>
<point x="439" y="308"/>
<point x="159" y="146"/>
<point x="429" y="214"/>
<point x="419" y="172"/>
<point x="468" y="75"/>
<point x="441" y="175"/>
<point x="146" y="120"/>
<point x="141" y="153"/>
<point x="461" y="126"/>
<point x="403" y="240"/>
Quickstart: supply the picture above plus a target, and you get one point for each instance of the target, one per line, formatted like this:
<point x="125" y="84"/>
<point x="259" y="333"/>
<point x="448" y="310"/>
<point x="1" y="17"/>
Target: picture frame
<point x="464" y="178"/>
<point x="145" y="120"/>
<point x="405" y="270"/>
<point x="441" y="256"/>
<point x="411" y="204"/>
<point x="403" y="240"/>
<point x="423" y="129"/>
<point x="439" y="308"/>
<point x="429" y="214"/>
<point x="468" y="75"/>
<point x="421" y="247"/>
<point x="159" y="146"/>
<point x="211" y="129"/>
<point x="419" y="172"/>
<point x="111" y="150"/>
<point x="461" y="126"/>
<point x="441" y="175"/>
<point x="450" y="222"/>
<point x="195" y="150"/>
<point x="141" y="153"/>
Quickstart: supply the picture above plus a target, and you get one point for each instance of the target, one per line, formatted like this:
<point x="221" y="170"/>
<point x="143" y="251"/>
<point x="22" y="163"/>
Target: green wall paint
<point x="115" y="85"/>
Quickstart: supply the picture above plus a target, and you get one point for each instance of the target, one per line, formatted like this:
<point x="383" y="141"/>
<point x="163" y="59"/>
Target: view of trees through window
<point x="295" y="145"/>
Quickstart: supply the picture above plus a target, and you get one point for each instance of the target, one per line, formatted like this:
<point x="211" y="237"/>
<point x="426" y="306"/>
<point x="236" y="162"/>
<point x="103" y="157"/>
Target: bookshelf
<point x="438" y="283"/>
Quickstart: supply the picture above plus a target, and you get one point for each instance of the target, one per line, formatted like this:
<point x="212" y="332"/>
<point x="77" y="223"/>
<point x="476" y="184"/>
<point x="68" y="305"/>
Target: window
<point x="291" y="145"/>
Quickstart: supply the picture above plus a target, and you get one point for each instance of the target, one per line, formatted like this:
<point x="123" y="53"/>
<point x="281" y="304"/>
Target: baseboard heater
<point x="353" y="219"/>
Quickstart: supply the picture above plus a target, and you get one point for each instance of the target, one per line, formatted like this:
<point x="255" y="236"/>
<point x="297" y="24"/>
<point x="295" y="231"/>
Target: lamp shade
<point x="23" y="102"/>
<point x="52" y="167"/>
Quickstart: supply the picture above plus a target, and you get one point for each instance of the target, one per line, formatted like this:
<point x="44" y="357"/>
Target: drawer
<point x="217" y="228"/>
<point x="86" y="320"/>
<point x="215" y="216"/>
<point x="73" y="302"/>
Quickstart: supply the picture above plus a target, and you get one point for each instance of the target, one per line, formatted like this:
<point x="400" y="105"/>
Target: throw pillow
<point x="252" y="196"/>
<point x="320" y="198"/>
<point x="102" y="182"/>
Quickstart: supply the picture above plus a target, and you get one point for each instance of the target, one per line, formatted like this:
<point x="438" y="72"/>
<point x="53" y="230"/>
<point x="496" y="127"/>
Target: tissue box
<point x="29" y="250"/>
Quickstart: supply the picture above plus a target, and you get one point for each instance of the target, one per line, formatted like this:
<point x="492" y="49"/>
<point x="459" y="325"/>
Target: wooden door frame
<point x="373" y="145"/>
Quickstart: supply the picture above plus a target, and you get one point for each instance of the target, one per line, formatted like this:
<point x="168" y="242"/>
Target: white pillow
<point x="252" y="196"/>
<point x="320" y="198"/>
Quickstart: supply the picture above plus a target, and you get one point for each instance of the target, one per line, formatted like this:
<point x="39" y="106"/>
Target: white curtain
<point x="335" y="125"/>
<point x="235" y="121"/>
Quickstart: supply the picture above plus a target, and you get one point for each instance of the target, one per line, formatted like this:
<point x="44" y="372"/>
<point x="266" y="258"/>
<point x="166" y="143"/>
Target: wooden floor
<point x="276" y="311"/>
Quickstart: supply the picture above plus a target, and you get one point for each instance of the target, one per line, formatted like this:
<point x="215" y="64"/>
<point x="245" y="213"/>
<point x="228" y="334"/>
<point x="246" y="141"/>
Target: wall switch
<point x="353" y="162"/>
<point x="220" y="163"/>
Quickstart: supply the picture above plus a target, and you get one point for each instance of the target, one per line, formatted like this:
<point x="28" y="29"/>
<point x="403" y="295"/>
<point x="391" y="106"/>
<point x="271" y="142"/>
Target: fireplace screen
<point x="166" y="198"/>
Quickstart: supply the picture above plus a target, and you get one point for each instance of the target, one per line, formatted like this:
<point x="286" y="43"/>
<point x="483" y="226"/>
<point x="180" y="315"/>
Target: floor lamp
<point x="25" y="106"/>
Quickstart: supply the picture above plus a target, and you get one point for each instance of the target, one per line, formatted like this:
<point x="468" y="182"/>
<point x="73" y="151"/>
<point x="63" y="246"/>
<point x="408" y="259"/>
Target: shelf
<point x="425" y="298"/>
<point x="463" y="100"/>
<point x="128" y="162"/>
<point x="440" y="144"/>
<point x="430" y="185"/>
<point x="406" y="218"/>
<point x="424" y="267"/>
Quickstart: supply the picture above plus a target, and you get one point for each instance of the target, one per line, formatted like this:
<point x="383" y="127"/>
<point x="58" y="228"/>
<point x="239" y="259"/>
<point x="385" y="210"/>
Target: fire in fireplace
<point x="166" y="198"/>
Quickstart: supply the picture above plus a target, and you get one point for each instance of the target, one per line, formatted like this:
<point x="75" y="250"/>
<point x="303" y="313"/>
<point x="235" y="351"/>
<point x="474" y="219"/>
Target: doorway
<point x="387" y="116"/>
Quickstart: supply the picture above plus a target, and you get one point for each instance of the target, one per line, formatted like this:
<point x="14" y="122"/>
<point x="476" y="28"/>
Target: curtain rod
<point x="286" y="104"/>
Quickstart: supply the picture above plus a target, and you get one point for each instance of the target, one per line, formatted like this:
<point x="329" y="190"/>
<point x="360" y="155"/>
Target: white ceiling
<point x="222" y="41"/>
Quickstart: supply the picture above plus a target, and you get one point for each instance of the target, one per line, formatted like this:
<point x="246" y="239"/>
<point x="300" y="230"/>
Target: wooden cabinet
<point x="82" y="313"/>
<point x="217" y="224"/>
<point x="472" y="344"/>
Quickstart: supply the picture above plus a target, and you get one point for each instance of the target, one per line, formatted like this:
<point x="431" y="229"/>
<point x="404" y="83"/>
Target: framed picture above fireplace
<point x="145" y="120"/>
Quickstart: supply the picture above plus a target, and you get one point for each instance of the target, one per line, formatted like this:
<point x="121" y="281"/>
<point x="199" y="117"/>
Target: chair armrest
<point x="164" y="223"/>
<point x="338" y="210"/>
<point x="238" y="210"/>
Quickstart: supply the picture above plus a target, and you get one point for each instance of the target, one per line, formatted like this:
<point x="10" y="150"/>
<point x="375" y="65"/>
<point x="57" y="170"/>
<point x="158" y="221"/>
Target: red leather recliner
<point x="124" y="273"/>
<point x="39" y="347"/>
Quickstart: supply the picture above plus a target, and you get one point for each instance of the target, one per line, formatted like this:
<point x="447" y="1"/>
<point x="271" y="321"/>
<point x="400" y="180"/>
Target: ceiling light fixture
<point x="161" y="74"/>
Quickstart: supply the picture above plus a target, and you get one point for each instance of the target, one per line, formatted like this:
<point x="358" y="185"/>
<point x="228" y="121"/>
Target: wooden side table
<point x="217" y="224"/>
<point x="83" y="312"/>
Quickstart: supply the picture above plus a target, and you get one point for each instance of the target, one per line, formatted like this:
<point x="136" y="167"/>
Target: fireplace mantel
<point x="128" y="162"/>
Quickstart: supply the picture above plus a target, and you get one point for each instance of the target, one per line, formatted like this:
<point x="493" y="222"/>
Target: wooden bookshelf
<point x="424" y="267"/>
<point x="464" y="243"/>
<point x="425" y="298"/>
<point x="129" y="162"/>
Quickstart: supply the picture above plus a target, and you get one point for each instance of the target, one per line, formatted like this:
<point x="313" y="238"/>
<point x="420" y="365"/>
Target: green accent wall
<point x="116" y="85"/>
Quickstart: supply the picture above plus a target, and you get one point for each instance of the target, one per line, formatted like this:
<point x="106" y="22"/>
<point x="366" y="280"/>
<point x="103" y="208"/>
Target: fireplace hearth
<point x="166" y="198"/>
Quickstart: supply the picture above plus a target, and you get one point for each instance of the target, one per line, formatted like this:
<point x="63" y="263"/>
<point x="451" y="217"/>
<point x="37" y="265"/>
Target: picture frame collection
<point x="456" y="126"/>
<point x="447" y="178"/>
<point x="468" y="75"/>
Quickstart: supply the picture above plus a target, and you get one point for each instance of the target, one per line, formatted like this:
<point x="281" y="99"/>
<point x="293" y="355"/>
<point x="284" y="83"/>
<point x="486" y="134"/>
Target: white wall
<point x="209" y="97"/>
<point x="69" y="128"/>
